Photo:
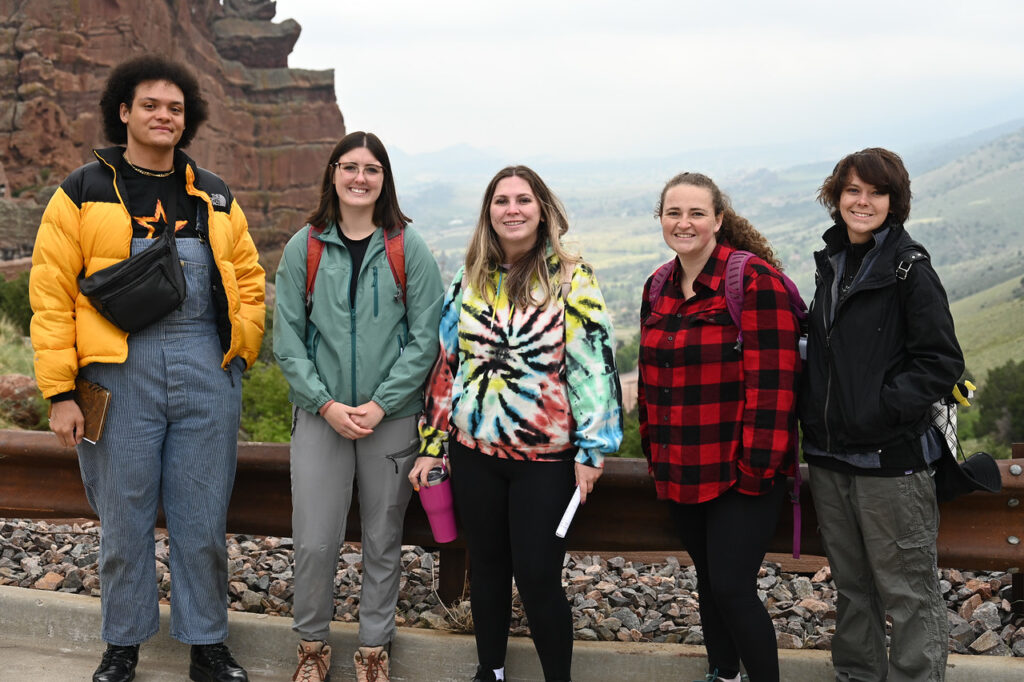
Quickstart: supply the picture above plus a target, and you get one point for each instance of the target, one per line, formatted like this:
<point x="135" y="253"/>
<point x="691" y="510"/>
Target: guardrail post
<point x="451" y="580"/>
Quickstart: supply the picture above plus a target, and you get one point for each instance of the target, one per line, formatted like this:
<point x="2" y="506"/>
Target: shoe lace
<point x="219" y="656"/>
<point x="311" y="661"/>
<point x="120" y="654"/>
<point x="374" y="667"/>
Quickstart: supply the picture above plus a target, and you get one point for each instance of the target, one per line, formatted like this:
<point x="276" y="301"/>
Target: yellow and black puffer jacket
<point x="87" y="227"/>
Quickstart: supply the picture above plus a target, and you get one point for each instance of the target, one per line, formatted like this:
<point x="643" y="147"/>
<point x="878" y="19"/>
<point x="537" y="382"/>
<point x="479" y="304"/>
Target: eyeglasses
<point x="351" y="170"/>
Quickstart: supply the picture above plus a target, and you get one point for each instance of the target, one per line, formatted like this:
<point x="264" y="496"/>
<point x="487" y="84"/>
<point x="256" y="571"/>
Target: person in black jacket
<point x="881" y="350"/>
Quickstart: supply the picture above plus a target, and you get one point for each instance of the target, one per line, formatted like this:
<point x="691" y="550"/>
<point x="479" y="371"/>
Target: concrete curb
<point x="54" y="636"/>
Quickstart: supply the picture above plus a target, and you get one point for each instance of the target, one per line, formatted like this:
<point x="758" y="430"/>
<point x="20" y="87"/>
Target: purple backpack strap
<point x="795" y="499"/>
<point x="658" y="280"/>
<point x="734" y="269"/>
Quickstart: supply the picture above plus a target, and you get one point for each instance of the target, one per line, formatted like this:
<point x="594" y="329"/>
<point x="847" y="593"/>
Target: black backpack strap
<point x="909" y="254"/>
<point x="908" y="258"/>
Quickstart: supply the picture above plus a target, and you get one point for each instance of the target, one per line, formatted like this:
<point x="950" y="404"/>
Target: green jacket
<point x="379" y="350"/>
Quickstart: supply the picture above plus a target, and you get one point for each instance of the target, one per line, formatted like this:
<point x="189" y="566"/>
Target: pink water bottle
<point x="436" y="498"/>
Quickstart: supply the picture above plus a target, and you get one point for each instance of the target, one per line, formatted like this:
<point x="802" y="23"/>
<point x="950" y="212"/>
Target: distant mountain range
<point x="966" y="211"/>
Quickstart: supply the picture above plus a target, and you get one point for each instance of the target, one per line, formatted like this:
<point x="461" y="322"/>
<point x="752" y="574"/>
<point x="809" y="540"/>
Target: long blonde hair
<point x="484" y="254"/>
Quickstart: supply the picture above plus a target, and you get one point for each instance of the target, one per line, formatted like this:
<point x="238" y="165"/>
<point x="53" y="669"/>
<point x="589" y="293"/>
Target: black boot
<point x="213" y="663"/>
<point x="118" y="664"/>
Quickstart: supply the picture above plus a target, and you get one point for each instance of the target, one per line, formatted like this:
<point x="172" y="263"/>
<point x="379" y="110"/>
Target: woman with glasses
<point x="526" y="395"/>
<point x="355" y="349"/>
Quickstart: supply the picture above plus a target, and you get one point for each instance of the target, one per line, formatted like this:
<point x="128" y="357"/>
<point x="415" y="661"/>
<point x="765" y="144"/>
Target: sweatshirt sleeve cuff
<point x="590" y="457"/>
<point x="431" y="441"/>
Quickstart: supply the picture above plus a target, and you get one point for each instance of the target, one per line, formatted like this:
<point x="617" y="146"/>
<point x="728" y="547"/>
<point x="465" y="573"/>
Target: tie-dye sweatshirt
<point x="534" y="384"/>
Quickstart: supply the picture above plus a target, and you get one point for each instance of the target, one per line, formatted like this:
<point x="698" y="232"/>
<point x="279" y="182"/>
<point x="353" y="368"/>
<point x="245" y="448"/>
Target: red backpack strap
<point x="735" y="266"/>
<point x="658" y="280"/>
<point x="394" y="249"/>
<point x="314" y="250"/>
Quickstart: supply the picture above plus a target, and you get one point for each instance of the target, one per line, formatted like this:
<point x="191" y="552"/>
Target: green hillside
<point x="968" y="214"/>
<point x="966" y="211"/>
<point x="990" y="326"/>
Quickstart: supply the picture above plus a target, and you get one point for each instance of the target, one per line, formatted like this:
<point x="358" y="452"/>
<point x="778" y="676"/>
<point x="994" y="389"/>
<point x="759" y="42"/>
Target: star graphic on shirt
<point x="158" y="219"/>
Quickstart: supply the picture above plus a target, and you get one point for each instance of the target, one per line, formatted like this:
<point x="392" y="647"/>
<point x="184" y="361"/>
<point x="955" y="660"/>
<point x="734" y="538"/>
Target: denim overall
<point x="171" y="438"/>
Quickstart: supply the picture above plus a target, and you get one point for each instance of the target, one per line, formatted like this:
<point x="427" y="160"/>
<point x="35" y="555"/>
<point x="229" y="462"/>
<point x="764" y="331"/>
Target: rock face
<point x="18" y="403"/>
<point x="270" y="127"/>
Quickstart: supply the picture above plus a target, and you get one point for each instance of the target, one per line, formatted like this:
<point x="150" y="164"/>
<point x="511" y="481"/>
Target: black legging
<point x="509" y="510"/>
<point x="727" y="538"/>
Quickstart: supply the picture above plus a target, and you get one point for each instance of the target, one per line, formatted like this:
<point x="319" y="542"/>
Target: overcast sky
<point x="582" y="79"/>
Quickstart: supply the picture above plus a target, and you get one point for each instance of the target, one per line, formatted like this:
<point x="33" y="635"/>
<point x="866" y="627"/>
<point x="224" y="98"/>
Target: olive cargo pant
<point x="880" y="535"/>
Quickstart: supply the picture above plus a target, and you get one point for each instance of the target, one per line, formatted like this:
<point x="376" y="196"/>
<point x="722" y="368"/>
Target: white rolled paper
<point x="570" y="511"/>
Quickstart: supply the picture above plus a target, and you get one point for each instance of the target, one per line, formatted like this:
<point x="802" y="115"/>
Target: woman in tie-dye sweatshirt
<point x="526" y="395"/>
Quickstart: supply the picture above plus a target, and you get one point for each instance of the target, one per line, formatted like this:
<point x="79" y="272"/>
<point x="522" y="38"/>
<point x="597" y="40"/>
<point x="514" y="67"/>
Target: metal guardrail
<point x="983" y="531"/>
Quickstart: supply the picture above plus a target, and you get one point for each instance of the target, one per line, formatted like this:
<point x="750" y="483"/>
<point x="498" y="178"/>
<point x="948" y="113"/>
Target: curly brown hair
<point x="876" y="166"/>
<point x="126" y="76"/>
<point x="736" y="230"/>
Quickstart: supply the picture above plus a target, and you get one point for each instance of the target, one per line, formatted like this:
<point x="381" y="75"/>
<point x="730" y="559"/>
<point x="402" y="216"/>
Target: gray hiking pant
<point x="324" y="465"/>
<point x="880" y="535"/>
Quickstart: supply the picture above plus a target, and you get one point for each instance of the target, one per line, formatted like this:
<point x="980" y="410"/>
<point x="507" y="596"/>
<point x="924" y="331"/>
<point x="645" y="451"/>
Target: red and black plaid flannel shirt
<point x="713" y="417"/>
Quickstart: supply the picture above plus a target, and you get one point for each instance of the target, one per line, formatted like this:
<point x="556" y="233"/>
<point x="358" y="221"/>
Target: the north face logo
<point x="218" y="200"/>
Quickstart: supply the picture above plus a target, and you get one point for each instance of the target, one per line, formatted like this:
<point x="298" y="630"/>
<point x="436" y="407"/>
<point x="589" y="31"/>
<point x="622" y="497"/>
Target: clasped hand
<point x="353" y="422"/>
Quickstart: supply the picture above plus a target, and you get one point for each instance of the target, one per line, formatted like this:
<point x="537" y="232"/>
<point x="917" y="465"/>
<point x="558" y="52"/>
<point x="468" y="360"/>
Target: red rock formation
<point x="270" y="127"/>
<point x="18" y="400"/>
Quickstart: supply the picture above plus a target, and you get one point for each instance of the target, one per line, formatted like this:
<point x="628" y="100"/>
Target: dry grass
<point x="15" y="350"/>
<point x="459" y="615"/>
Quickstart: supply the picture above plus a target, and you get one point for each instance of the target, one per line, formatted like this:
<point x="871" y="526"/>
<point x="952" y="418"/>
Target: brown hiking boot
<point x="372" y="664"/>
<point x="314" y="662"/>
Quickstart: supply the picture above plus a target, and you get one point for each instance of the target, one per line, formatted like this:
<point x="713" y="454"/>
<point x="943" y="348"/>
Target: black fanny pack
<point x="141" y="289"/>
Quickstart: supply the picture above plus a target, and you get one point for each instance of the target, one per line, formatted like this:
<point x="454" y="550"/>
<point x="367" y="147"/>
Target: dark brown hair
<point x="126" y="77"/>
<point x="386" y="212"/>
<point x="736" y="230"/>
<point x="876" y="166"/>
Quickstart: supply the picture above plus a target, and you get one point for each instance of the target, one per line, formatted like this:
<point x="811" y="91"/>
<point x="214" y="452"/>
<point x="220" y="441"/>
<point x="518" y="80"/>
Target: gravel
<point x="613" y="599"/>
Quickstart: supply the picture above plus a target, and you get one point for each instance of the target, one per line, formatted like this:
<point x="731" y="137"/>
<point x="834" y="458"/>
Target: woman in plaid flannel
<point x="716" y="420"/>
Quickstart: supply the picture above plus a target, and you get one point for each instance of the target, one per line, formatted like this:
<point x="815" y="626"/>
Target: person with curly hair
<point x="881" y="349"/>
<point x="717" y="420"/>
<point x="171" y="431"/>
<point x="526" y="395"/>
